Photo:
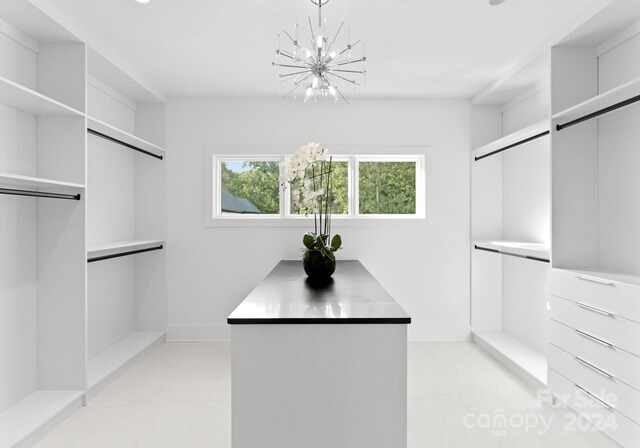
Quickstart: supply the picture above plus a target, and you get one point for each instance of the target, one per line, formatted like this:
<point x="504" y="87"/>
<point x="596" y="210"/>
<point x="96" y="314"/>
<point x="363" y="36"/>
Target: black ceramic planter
<point x="318" y="266"/>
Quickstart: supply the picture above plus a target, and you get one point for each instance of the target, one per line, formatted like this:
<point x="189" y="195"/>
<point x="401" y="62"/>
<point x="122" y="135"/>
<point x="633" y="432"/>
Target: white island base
<point x="319" y="386"/>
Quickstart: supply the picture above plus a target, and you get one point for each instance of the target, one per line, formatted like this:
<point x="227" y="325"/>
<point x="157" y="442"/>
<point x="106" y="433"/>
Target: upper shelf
<point x="48" y="187"/>
<point x="598" y="103"/>
<point x="38" y="183"/>
<point x="512" y="140"/>
<point x="19" y="97"/>
<point x="122" y="137"/>
<point x="518" y="248"/>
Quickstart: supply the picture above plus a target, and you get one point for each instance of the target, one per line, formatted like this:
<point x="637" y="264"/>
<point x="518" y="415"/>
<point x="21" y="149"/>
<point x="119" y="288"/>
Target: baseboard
<point x="198" y="333"/>
<point x="417" y="332"/>
<point x="439" y="332"/>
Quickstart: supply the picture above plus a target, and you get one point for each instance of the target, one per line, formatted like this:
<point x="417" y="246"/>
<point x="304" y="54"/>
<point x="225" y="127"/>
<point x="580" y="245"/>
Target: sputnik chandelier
<point x="322" y="68"/>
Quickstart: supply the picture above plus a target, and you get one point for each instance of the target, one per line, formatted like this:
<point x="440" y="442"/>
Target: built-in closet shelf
<point x="38" y="184"/>
<point x="607" y="276"/>
<point x="115" y="249"/>
<point x="519" y="357"/>
<point x="26" y="417"/>
<point x="121" y="137"/>
<point x="517" y="248"/>
<point x="605" y="100"/>
<point x="108" y="363"/>
<point x="19" y="97"/>
<point x="513" y="140"/>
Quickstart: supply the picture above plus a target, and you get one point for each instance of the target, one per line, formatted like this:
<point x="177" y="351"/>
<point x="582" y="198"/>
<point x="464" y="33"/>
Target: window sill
<point x="277" y="221"/>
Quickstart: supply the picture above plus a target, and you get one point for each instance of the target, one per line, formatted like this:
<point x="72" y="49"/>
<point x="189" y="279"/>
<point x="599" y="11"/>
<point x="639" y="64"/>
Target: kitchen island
<point x="319" y="365"/>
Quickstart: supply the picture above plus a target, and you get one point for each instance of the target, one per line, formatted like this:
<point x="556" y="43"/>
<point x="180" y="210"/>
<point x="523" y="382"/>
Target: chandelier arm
<point x="313" y="35"/>
<point x="360" y="72"/>
<point x="292" y="66"/>
<point x="294" y="58"/>
<point x="348" y="62"/>
<point x="347" y="49"/>
<point x="350" y="81"/>
<point x="286" y="75"/>
<point x="336" y="36"/>
<point x="295" y="87"/>
<point x="289" y="36"/>
<point x="340" y="92"/>
<point x="300" y="81"/>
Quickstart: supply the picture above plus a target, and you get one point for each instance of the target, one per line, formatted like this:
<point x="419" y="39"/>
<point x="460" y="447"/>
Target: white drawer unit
<point x="597" y="381"/>
<point x="599" y="352"/>
<point x="606" y="326"/>
<point x="594" y="351"/>
<point x="610" y="296"/>
<point x="617" y="426"/>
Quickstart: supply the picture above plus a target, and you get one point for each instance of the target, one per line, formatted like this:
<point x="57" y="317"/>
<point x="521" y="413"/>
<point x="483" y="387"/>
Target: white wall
<point x="424" y="265"/>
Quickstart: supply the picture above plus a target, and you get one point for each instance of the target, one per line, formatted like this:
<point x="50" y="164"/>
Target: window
<point x="386" y="187"/>
<point x="340" y="183"/>
<point x="249" y="187"/>
<point x="363" y="187"/>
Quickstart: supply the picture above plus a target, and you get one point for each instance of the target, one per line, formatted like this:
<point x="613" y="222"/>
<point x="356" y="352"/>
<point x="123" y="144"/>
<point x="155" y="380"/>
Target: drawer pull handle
<point x="593" y="338"/>
<point x="594" y="309"/>
<point x="594" y="368"/>
<point x="600" y="400"/>
<point x="595" y="280"/>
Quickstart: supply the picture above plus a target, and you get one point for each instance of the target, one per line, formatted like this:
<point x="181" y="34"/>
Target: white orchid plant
<point x="308" y="173"/>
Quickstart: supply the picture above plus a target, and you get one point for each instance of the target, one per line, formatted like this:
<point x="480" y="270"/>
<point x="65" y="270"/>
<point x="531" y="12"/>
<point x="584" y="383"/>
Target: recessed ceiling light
<point x="491" y="2"/>
<point x="147" y="1"/>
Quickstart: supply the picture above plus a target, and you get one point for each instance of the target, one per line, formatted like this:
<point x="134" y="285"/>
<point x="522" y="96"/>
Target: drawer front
<point x="623" y="365"/>
<point x="598" y="381"/>
<point x="622" y="333"/>
<point x="617" y="426"/>
<point x="619" y="299"/>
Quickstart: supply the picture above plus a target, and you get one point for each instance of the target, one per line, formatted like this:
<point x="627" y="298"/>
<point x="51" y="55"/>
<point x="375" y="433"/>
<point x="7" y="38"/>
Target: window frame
<point x="214" y="218"/>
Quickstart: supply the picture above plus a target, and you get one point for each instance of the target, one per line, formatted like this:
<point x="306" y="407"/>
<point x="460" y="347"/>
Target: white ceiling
<point x="415" y="48"/>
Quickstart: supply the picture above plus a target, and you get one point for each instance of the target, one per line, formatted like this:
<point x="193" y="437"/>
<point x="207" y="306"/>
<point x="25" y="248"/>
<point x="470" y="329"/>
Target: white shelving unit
<point x="42" y="265"/>
<point x="125" y="126"/>
<point x="595" y="276"/>
<point x="510" y="221"/>
<point x="58" y="337"/>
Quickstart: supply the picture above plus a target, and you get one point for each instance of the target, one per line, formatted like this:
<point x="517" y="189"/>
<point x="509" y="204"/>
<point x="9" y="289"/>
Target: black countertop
<point x="286" y="296"/>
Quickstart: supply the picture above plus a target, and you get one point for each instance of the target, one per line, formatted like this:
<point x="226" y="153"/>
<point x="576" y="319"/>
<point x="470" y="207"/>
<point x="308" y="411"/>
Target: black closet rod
<point x="513" y="145"/>
<point x="124" y="254"/>
<point x="496" y="251"/>
<point x="120" y="142"/>
<point x="39" y="194"/>
<point x="597" y="113"/>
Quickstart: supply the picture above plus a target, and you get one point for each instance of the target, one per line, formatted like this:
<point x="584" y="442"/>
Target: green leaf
<point x="324" y="237"/>
<point x="336" y="243"/>
<point x="309" y="240"/>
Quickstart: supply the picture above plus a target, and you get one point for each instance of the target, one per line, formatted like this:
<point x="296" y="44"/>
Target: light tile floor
<point x="179" y="395"/>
